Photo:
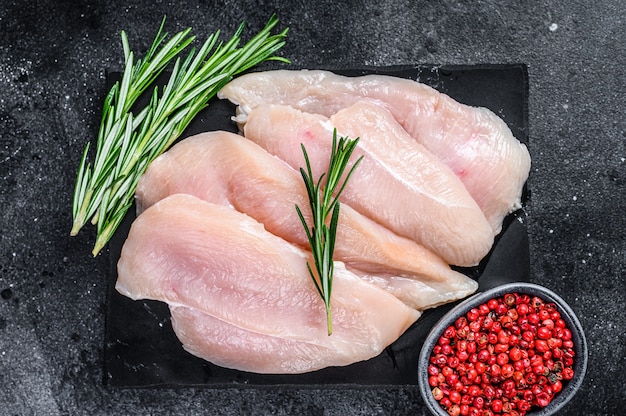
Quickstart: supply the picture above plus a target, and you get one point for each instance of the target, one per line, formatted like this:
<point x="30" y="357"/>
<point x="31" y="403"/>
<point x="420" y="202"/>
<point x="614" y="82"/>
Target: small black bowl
<point x="578" y="337"/>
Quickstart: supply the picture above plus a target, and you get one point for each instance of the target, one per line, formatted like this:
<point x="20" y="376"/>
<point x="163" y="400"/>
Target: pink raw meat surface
<point x="226" y="278"/>
<point x="474" y="142"/>
<point x="227" y="169"/>
<point x="399" y="183"/>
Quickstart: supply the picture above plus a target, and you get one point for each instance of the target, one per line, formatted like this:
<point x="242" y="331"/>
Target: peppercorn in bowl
<point x="517" y="349"/>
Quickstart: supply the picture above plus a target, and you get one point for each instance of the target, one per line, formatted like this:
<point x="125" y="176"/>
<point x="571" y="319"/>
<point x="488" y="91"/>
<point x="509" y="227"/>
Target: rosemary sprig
<point x="128" y="142"/>
<point x="322" y="237"/>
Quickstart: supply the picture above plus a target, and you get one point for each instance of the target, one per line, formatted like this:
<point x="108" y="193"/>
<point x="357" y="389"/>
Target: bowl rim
<point x="567" y="314"/>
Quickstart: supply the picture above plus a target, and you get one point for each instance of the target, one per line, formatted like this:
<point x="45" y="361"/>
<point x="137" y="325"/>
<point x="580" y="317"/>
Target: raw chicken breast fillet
<point x="227" y="169"/>
<point x="474" y="142"/>
<point x="398" y="183"/>
<point x="242" y="298"/>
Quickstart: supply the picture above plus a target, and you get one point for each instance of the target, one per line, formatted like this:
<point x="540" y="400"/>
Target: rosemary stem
<point x="323" y="202"/>
<point x="329" y="320"/>
<point x="126" y="144"/>
<point x="80" y="218"/>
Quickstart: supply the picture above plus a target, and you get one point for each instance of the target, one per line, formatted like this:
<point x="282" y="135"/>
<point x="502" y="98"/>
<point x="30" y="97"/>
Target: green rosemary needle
<point x="325" y="202"/>
<point x="128" y="142"/>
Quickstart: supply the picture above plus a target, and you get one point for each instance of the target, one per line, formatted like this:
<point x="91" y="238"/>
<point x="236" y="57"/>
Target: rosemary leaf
<point x="127" y="143"/>
<point x="324" y="202"/>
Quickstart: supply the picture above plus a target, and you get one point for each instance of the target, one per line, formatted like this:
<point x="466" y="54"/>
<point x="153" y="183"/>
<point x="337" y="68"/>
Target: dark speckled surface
<point x="52" y="292"/>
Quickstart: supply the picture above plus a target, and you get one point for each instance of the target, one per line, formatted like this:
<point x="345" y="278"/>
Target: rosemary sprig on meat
<point x="321" y="236"/>
<point x="129" y="141"/>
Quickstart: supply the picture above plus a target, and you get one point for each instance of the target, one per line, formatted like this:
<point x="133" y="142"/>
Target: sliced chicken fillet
<point x="399" y="183"/>
<point x="474" y="142"/>
<point x="217" y="267"/>
<point x="227" y="169"/>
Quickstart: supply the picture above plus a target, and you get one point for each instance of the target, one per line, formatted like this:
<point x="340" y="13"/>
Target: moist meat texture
<point x="242" y="298"/>
<point x="227" y="169"/>
<point x="474" y="142"/>
<point x="398" y="184"/>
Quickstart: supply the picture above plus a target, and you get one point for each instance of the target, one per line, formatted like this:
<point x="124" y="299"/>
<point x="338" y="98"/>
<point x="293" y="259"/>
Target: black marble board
<point x="141" y="349"/>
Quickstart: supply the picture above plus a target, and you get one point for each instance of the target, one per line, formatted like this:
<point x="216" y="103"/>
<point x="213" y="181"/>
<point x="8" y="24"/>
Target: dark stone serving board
<point x="142" y="351"/>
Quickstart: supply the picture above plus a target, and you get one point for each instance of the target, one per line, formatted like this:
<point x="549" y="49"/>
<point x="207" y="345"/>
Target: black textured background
<point x="141" y="348"/>
<point x="53" y="57"/>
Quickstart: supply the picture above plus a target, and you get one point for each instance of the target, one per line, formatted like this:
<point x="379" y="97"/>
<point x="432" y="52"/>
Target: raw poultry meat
<point x="474" y="142"/>
<point x="242" y="298"/>
<point x="227" y="169"/>
<point x="399" y="183"/>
